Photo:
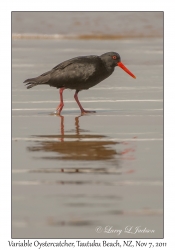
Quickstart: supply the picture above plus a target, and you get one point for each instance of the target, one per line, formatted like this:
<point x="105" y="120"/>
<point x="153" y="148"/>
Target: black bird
<point x="79" y="73"/>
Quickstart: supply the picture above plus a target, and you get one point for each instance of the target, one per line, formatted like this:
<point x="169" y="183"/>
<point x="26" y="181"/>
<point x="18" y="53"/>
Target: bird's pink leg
<point x="61" y="105"/>
<point x="79" y="104"/>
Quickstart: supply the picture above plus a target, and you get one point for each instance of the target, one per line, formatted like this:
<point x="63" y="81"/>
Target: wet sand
<point x="72" y="173"/>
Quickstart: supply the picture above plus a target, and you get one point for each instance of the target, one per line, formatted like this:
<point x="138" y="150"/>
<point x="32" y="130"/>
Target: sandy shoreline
<point x="73" y="173"/>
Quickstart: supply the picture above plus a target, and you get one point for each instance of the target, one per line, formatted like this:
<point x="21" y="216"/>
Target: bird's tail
<point x="42" y="79"/>
<point x="31" y="82"/>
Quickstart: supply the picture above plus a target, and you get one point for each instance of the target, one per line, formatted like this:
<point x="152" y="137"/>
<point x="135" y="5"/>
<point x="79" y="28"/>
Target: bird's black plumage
<point x="79" y="73"/>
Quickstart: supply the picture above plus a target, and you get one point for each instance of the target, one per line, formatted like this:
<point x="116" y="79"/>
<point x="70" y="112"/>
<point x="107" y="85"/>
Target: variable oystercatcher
<point x="79" y="73"/>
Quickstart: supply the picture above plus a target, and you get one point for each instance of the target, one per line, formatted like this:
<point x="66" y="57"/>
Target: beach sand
<point x="73" y="174"/>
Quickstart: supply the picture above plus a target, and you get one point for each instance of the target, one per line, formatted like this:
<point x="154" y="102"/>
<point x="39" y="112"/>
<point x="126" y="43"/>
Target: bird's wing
<point x="66" y="63"/>
<point x="74" y="71"/>
<point x="79" y="59"/>
<point x="80" y="68"/>
<point x="62" y="65"/>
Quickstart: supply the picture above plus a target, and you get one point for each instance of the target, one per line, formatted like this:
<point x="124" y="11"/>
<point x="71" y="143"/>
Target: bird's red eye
<point x="114" y="57"/>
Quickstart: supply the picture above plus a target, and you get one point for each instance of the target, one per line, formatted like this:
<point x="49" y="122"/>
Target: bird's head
<point x="112" y="59"/>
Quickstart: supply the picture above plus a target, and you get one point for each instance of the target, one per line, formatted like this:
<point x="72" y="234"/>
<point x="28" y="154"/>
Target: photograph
<point x="87" y="91"/>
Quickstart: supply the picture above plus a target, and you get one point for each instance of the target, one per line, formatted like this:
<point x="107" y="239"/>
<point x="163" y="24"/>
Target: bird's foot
<point x="87" y="111"/>
<point x="57" y="112"/>
<point x="59" y="109"/>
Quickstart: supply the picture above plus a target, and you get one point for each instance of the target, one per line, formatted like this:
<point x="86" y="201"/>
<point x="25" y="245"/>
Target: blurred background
<point x="72" y="173"/>
<point x="86" y="25"/>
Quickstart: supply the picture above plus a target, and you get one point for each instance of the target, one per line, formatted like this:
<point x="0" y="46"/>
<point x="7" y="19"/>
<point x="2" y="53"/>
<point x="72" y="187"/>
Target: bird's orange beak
<point x="121" y="65"/>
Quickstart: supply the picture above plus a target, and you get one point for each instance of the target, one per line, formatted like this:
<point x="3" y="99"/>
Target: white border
<point x="5" y="45"/>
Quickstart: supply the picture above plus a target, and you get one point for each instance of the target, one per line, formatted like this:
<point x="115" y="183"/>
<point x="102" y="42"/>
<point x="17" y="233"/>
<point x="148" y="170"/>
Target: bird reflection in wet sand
<point x="78" y="145"/>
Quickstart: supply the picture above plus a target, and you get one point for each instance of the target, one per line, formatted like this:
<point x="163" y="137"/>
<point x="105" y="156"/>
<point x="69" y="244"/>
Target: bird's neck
<point x="108" y="66"/>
